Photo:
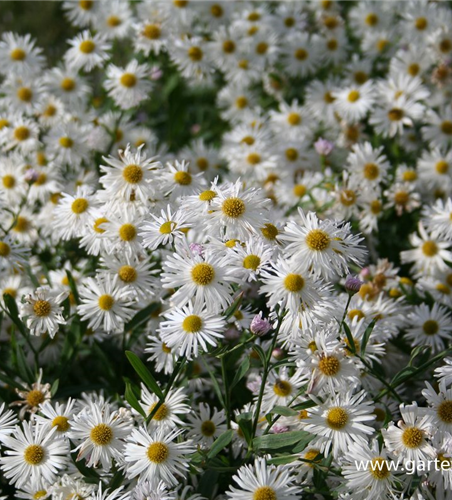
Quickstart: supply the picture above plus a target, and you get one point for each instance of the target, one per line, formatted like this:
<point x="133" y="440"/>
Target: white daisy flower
<point x="128" y="86"/>
<point x="102" y="432"/>
<point x="87" y="51"/>
<point x="67" y="143"/>
<point x="34" y="454"/>
<point x="444" y="373"/>
<point x="121" y="233"/>
<point x="206" y="279"/>
<point x="167" y="416"/>
<point x="8" y="420"/>
<point x="156" y="455"/>
<point x="206" y="425"/>
<point x="353" y="103"/>
<point x="73" y="213"/>
<point x="81" y="14"/>
<point x="164" y="229"/>
<point x="441" y="405"/>
<point x="21" y="133"/>
<point x="190" y="328"/>
<point x="132" y="174"/>
<point x="340" y="421"/>
<point x="431" y="327"/>
<point x="104" y="303"/>
<point x="177" y="181"/>
<point x="42" y="311"/>
<point x="263" y="482"/>
<point x="161" y="354"/>
<point x="281" y="389"/>
<point x="429" y="255"/>
<point x="408" y="440"/>
<point x="439" y="218"/>
<point x="250" y="259"/>
<point x="19" y="55"/>
<point x="325" y="246"/>
<point x="58" y="415"/>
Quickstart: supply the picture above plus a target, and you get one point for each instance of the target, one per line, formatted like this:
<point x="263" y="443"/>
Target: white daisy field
<point x="226" y="250"/>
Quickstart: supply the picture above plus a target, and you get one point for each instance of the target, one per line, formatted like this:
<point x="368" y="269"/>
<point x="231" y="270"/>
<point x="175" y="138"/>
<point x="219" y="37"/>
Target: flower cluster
<point x="226" y="253"/>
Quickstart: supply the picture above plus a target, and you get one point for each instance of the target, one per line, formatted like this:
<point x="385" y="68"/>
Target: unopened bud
<point x="353" y="284"/>
<point x="260" y="326"/>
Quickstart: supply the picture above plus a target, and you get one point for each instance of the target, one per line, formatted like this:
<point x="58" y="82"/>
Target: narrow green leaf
<point x="286" y="459"/>
<point x="9" y="381"/>
<point x="261" y="354"/>
<point x="275" y="441"/>
<point x="221" y="442"/>
<point x="230" y="311"/>
<point x="285" y="411"/>
<point x="350" y="340"/>
<point x="216" y="387"/>
<point x="366" y="336"/>
<point x="241" y="372"/>
<point x="132" y="400"/>
<point x="72" y="286"/>
<point x="246" y="426"/>
<point x="142" y="316"/>
<point x="144" y="374"/>
<point x="54" y="387"/>
<point x="23" y="366"/>
<point x="13" y="313"/>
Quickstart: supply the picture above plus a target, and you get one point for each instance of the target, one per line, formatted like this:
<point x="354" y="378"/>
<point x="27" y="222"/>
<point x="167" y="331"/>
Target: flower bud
<point x="260" y="326"/>
<point x="353" y="284"/>
<point x="323" y="147"/>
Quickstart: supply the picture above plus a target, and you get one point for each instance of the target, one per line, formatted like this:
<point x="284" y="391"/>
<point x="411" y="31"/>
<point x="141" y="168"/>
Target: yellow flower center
<point x="183" y="178"/>
<point x="87" y="46"/>
<point x="233" y="207"/>
<point x="132" y="174"/>
<point x="430" y="248"/>
<point x="312" y="454"/>
<point x="49" y="112"/>
<point x="106" y="302"/>
<point x="353" y="96"/>
<point x="371" y="19"/>
<point x="207" y="195"/>
<point x="161" y="413"/>
<point x="329" y="366"/>
<point x="251" y="262"/>
<point x="101" y="434"/>
<point x="203" y="274"/>
<point x="421" y="23"/>
<point x="294" y="119"/>
<point x="376" y="207"/>
<point x="356" y="313"/>
<point x="446" y="127"/>
<point x="293" y="282"/>
<point x="442" y="167"/>
<point x="152" y="31"/>
<point x="269" y="231"/>
<point x="86" y="4"/>
<point x="127" y="274"/>
<point x="42" y="308"/>
<point x="35" y="397"/>
<point x="8" y="181"/>
<point x="10" y="291"/>
<point x="114" y="21"/>
<point x="195" y="54"/>
<point x="97" y="223"/>
<point x="401" y="198"/>
<point x="158" y="452"/>
<point x="216" y="10"/>
<point x="371" y="171"/>
<point x="253" y="158"/>
<point x="228" y="46"/>
<point x="192" y="324"/>
<point x="337" y="418"/>
<point x="61" y="423"/>
<point x="261" y="48"/>
<point x="265" y="493"/>
<point x="18" y="54"/>
<point x="412" y="437"/>
<point x="348" y="197"/>
<point x="445" y="46"/>
<point x="5" y="249"/>
<point x="379" y="468"/>
<point x="24" y="94"/>
<point x="413" y="69"/>
<point x="165" y="348"/>
<point x="301" y="54"/>
<point x="34" y="454"/>
<point x="167" y="227"/>
<point x="68" y="84"/>
<point x="241" y="102"/>
<point x="282" y="388"/>
<point x="21" y="133"/>
<point x="79" y="205"/>
<point x="332" y="44"/>
<point x="318" y="240"/>
<point x="127" y="232"/>
<point x="22" y="225"/>
<point x="128" y="80"/>
<point x="39" y="494"/>
<point x="445" y="411"/>
<point x="430" y="327"/>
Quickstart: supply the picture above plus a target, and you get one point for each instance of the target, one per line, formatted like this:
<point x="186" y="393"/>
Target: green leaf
<point x="350" y="340"/>
<point x="132" y="399"/>
<point x="241" y="372"/>
<point x="216" y="387"/>
<point x="261" y="354"/>
<point x="54" y="387"/>
<point x="283" y="460"/>
<point x="13" y="313"/>
<point x="9" y="381"/>
<point x="230" y="311"/>
<point x="72" y="286"/>
<point x="276" y="441"/>
<point x="220" y="443"/>
<point x="142" y="316"/>
<point x="366" y="336"/>
<point x="23" y="366"/>
<point x="285" y="411"/>
<point x="246" y="426"/>
<point x="144" y="374"/>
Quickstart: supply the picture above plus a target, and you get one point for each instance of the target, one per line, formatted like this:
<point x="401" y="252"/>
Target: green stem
<point x="227" y="393"/>
<point x="267" y="369"/>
